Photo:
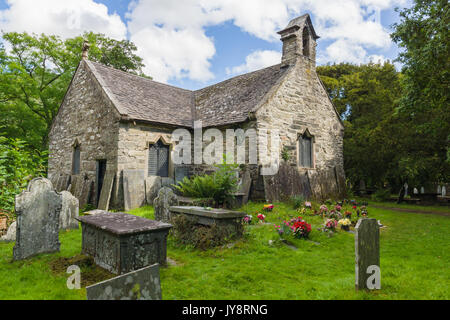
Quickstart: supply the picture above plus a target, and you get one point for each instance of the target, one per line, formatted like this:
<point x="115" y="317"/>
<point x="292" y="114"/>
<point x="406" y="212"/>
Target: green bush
<point x="381" y="195"/>
<point x="18" y="165"/>
<point x="218" y="186"/>
<point x="297" y="201"/>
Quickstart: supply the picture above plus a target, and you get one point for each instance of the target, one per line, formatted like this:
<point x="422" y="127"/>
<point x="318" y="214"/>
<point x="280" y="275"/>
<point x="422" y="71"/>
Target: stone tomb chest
<point x="230" y="220"/>
<point x="122" y="243"/>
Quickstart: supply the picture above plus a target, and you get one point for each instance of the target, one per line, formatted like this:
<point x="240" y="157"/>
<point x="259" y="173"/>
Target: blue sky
<point x="195" y="43"/>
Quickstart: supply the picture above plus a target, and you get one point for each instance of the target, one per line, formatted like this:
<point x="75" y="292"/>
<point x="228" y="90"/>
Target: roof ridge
<point x="138" y="76"/>
<point x="240" y="75"/>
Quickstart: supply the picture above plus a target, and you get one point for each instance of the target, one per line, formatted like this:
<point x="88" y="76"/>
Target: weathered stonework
<point x="299" y="104"/>
<point x="38" y="209"/>
<point x="115" y="116"/>
<point x="122" y="243"/>
<point x="86" y="118"/>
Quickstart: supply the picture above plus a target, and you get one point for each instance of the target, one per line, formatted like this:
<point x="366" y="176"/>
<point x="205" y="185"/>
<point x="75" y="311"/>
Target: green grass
<point x="415" y="263"/>
<point x="387" y="204"/>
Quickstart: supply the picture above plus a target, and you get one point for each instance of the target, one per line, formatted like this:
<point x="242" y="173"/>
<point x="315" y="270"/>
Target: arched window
<point x="305" y="148"/>
<point x="158" y="159"/>
<point x="76" y="159"/>
<point x="305" y="42"/>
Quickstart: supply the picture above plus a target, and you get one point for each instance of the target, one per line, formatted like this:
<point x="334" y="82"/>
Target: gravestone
<point x="415" y="191"/>
<point x="406" y="189"/>
<point x="367" y="250"/>
<point x="38" y="209"/>
<point x="133" y="188"/>
<point x="105" y="194"/>
<point x="245" y="184"/>
<point x="439" y="190"/>
<point x="166" y="199"/>
<point x="422" y="190"/>
<point x="444" y="191"/>
<point x="167" y="182"/>
<point x="11" y="233"/>
<point x="143" y="284"/>
<point x="152" y="186"/>
<point x="69" y="211"/>
<point x="180" y="172"/>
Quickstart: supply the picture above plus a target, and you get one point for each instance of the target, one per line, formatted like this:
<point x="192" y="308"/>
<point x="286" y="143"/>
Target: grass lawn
<point x="415" y="263"/>
<point x="387" y="204"/>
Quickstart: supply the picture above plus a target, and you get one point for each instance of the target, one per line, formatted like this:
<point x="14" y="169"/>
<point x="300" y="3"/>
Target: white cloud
<point x="66" y="18"/>
<point x="171" y="37"/>
<point x="170" y="53"/>
<point x="255" y="61"/>
<point x="351" y="26"/>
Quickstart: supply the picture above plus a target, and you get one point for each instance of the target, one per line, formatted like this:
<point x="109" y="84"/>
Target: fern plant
<point x="218" y="186"/>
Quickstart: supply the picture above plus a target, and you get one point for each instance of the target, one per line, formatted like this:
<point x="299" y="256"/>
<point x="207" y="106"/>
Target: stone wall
<point x="301" y="103"/>
<point x="86" y="117"/>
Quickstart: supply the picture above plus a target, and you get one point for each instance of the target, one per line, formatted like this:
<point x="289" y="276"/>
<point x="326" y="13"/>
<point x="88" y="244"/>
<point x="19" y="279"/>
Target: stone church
<point x="111" y="141"/>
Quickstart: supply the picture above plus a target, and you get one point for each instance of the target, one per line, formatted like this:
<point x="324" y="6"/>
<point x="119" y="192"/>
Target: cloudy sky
<point x="194" y="43"/>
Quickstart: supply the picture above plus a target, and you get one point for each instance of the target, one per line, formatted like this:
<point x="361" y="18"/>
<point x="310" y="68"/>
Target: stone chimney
<point x="85" y="50"/>
<point x="299" y="41"/>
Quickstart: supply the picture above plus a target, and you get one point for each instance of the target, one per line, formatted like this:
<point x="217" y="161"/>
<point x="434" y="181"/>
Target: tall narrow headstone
<point x="367" y="250"/>
<point x="166" y="199"/>
<point x="406" y="189"/>
<point x="38" y="210"/>
<point x="69" y="212"/>
<point x="444" y="191"/>
<point x="105" y="193"/>
<point x="422" y="190"/>
<point x="133" y="189"/>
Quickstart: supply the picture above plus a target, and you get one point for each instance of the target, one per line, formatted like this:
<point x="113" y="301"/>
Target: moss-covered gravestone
<point x="367" y="249"/>
<point x="38" y="210"/>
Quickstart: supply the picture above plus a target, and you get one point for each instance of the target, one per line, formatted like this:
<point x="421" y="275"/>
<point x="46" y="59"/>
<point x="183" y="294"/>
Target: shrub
<point x="18" y="165"/>
<point x="297" y="201"/>
<point x="218" y="186"/>
<point x="382" y="195"/>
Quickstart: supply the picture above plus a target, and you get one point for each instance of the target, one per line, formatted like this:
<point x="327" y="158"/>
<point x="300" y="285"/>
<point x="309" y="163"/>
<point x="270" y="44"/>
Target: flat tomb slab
<point x="122" y="243"/>
<point x="213" y="213"/>
<point x="229" y="221"/>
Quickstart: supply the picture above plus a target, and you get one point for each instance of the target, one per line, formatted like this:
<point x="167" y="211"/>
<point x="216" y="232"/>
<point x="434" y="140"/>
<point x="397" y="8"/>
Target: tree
<point x="35" y="74"/>
<point x="424" y="34"/>
<point x="366" y="97"/>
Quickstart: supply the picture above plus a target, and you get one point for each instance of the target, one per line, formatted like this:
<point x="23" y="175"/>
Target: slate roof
<point x="140" y="98"/>
<point x="231" y="101"/>
<point x="227" y="102"/>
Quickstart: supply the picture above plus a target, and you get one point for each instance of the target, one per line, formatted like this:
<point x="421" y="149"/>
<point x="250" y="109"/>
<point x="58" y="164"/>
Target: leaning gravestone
<point x="38" y="209"/>
<point x="133" y="189"/>
<point x="143" y="284"/>
<point x="152" y="186"/>
<point x="105" y="194"/>
<point x="367" y="249"/>
<point x="69" y="211"/>
<point x="166" y="199"/>
<point x="245" y="185"/>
